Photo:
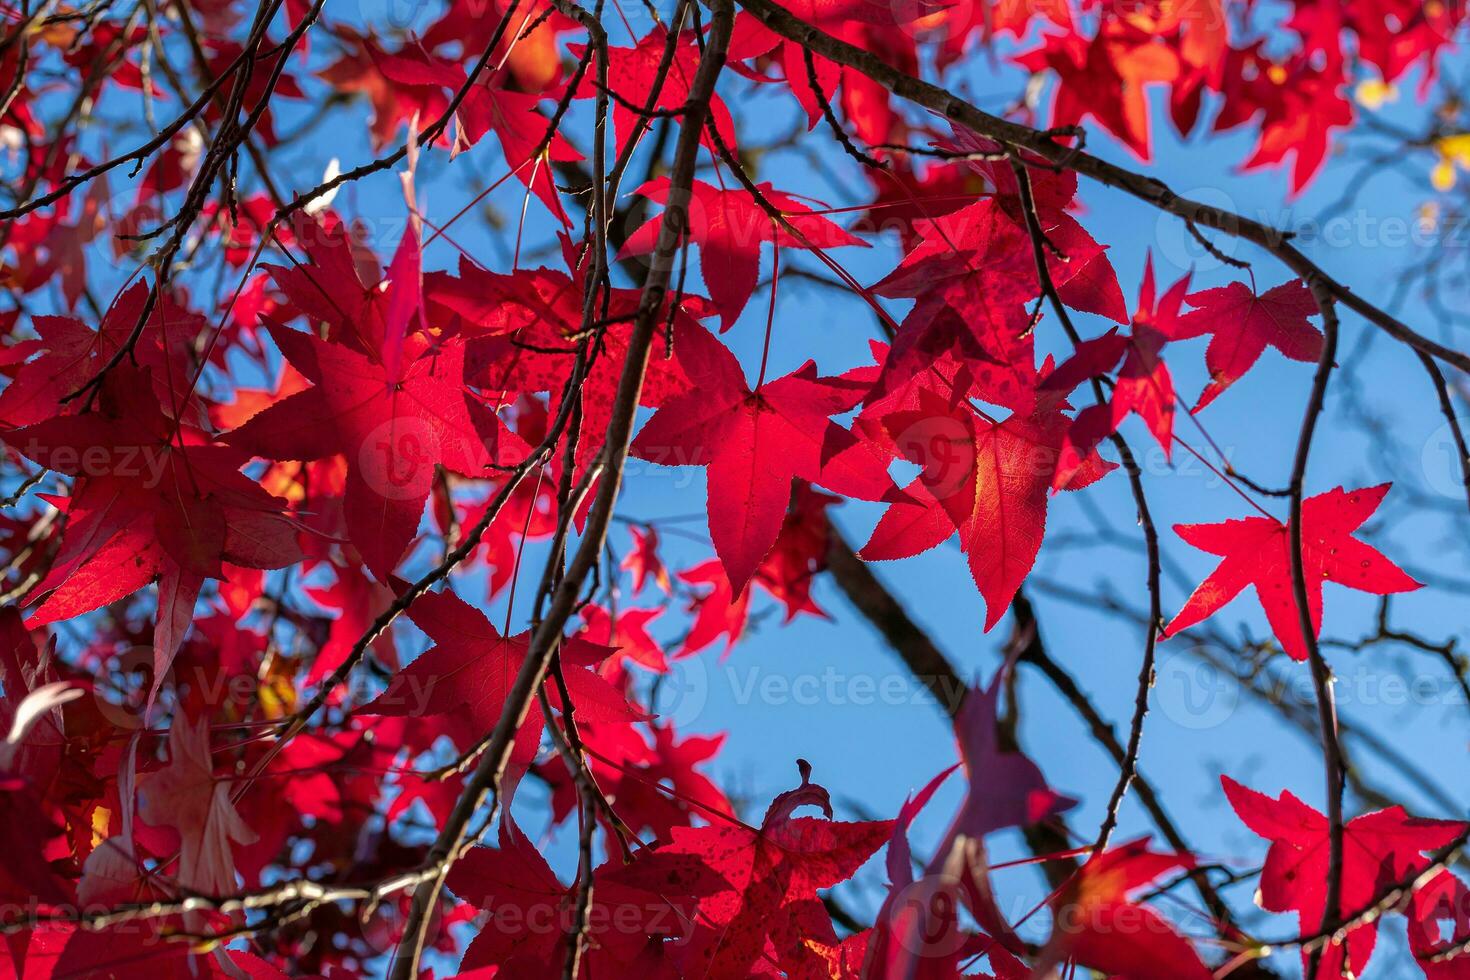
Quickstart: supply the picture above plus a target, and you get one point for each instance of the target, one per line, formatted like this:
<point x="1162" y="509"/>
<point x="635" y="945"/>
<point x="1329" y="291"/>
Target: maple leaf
<point x="1006" y="789"/>
<point x="990" y="479"/>
<point x="729" y="228"/>
<point x="906" y="939"/>
<point x="767" y="907"/>
<point x="531" y="910"/>
<point x="152" y="499"/>
<point x="643" y="561"/>
<point x="1379" y="849"/>
<point x="754" y="443"/>
<point x="337" y="287"/>
<point x="1242" y="324"/>
<point x="1444" y="899"/>
<point x="358" y="601"/>
<point x="531" y="57"/>
<point x="533" y="317"/>
<point x="514" y="119"/>
<point x="1256" y="551"/>
<point x="1143" y="385"/>
<point x="486" y="107"/>
<point x="919" y="924"/>
<point x="637" y="766"/>
<point x="1099" y="926"/>
<point x="26" y="876"/>
<point x="186" y="796"/>
<point x="1105" y="78"/>
<point x="136" y="950"/>
<point x="635" y="77"/>
<point x="72" y="355"/>
<point x="800" y="552"/>
<point x="469" y="671"/>
<point x="1297" y="103"/>
<point x="718" y="612"/>
<point x="396" y="92"/>
<point x="628" y="632"/>
<point x="979" y="262"/>
<point x="391" y="428"/>
<point x="956" y="25"/>
<point x="750" y="39"/>
<point x="530" y="513"/>
<point x="1202" y="26"/>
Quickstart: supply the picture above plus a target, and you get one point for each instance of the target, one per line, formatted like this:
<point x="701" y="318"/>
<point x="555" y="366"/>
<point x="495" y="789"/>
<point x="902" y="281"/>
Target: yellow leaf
<point x="1443" y="175"/>
<point x="1374" y="93"/>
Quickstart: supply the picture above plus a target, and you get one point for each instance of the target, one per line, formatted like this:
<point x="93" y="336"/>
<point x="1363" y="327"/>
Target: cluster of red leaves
<point x="207" y="518"/>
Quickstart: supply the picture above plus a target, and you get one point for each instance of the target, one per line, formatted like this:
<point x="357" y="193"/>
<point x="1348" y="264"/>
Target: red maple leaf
<point x="643" y="562"/>
<point x="531" y="912"/>
<point x="1257" y="552"/>
<point x="1243" y="324"/>
<point x="1098" y="925"/>
<point x="718" y="612"/>
<point x="1379" y="849"/>
<point x="633" y="73"/>
<point x="1296" y="102"/>
<point x="918" y="926"/>
<point x="754" y="443"/>
<point x="767" y="910"/>
<point x="979" y="262"/>
<point x="1143" y="384"/>
<point x="531" y="56"/>
<point x="752" y="40"/>
<point x="469" y="671"/>
<point x="638" y="766"/>
<point x="400" y="85"/>
<point x="72" y="355"/>
<point x="990" y="479"/>
<point x="628" y="632"/>
<point x="152" y="499"/>
<point x="729" y="228"/>
<point x="534" y="320"/>
<point x="1105" y="78"/>
<point x="392" y="429"/>
<point x="186" y="796"/>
